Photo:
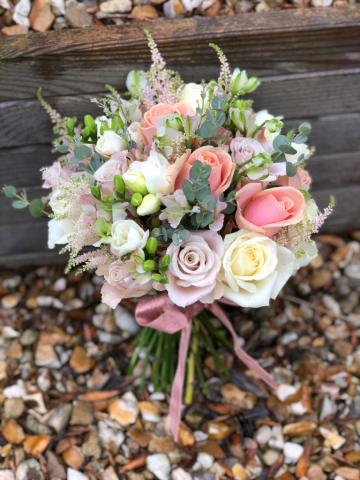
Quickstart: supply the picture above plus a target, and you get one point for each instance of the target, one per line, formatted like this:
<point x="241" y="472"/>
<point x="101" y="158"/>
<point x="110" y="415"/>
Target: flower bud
<point x="119" y="184"/>
<point x="70" y="127"/>
<point x="135" y="182"/>
<point x="90" y="123"/>
<point x="95" y="192"/>
<point x="165" y="262"/>
<point x="111" y="199"/>
<point x="135" y="80"/>
<point x="151" y="245"/>
<point x="149" y="265"/>
<point x="85" y="133"/>
<point x="238" y="80"/>
<point x="251" y="85"/>
<point x="136" y="199"/>
<point x="150" y="204"/>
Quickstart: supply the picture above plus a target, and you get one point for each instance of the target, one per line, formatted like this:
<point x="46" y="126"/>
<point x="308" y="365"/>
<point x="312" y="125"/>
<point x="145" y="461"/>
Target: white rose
<point x="60" y="231"/>
<point x="153" y="170"/>
<point x="112" y="167"/>
<point x="109" y="143"/>
<point x="127" y="236"/>
<point x="128" y="111"/>
<point x="255" y="268"/>
<point x="302" y="149"/>
<point x="135" y="80"/>
<point x="191" y="94"/>
<point x="59" y="205"/>
<point x="310" y="253"/>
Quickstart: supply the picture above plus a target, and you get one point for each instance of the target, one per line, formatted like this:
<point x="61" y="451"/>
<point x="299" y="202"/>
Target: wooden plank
<point x="274" y="43"/>
<point x="9" y="215"/>
<point x="331" y="170"/>
<point x="187" y="30"/>
<point x="307" y="95"/>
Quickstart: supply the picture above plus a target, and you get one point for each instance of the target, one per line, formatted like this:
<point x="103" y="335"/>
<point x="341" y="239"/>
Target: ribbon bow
<point x="160" y="313"/>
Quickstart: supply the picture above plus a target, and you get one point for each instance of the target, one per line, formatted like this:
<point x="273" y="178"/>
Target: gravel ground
<point x="68" y="409"/>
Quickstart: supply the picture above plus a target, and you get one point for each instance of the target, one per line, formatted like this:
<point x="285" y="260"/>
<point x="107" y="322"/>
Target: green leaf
<point x="229" y="209"/>
<point x="220" y="119"/>
<point x="215" y="103"/>
<point x="300" y="139"/>
<point x="159" y="278"/>
<point x="305" y="128"/>
<point x="95" y="164"/>
<point x="86" y="169"/>
<point x="280" y="140"/>
<point x="206" y="129"/>
<point x="82" y="152"/>
<point x="63" y="148"/>
<point x="289" y="134"/>
<point x="307" y="195"/>
<point x="36" y="207"/>
<point x="291" y="170"/>
<point x="10" y="191"/>
<point x="198" y="111"/>
<point x="200" y="171"/>
<point x="19" y="205"/>
<point x="209" y="202"/>
<point x="301" y="158"/>
<point x="210" y="116"/>
<point x="280" y="159"/>
<point x="202" y="192"/>
<point x="70" y="127"/>
<point x="96" y="192"/>
<point x="287" y="149"/>
<point x="187" y="188"/>
<point x="74" y="160"/>
<point x="204" y="218"/>
<point x="193" y="220"/>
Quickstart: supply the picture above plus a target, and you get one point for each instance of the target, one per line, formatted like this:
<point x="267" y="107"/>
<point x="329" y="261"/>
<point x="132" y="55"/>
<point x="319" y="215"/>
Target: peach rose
<point x="301" y="179"/>
<point x="222" y="169"/>
<point x="266" y="211"/>
<point x="156" y="113"/>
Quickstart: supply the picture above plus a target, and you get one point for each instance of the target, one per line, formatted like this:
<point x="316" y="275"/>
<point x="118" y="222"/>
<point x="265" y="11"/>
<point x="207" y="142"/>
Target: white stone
<point x="270" y="457"/>
<point x="3" y="372"/>
<point x="288" y="338"/>
<point x="9" y="332"/>
<point x="44" y="301"/>
<point x="116" y="6"/>
<point x="125" y="320"/>
<point x="27" y="468"/>
<point x="277" y="438"/>
<point x="6" y="475"/>
<point x="327" y="408"/>
<point x="292" y="452"/>
<point x="298" y="408"/>
<point x="321" y="3"/>
<point x="160" y="396"/>
<point x="191" y="4"/>
<point x="335" y="440"/>
<point x="159" y="465"/>
<point x="60" y="284"/>
<point x="284" y="391"/>
<point x="109" y="338"/>
<point x="205" y="459"/>
<point x="218" y="470"/>
<point x="20" y="20"/>
<point x="264" y="434"/>
<point x="75" y="475"/>
<point x="331" y="304"/>
<point x="180" y="474"/>
<point x="43" y="381"/>
<point x="23" y="8"/>
<point x="14" y="391"/>
<point x="200" y="436"/>
<point x="129" y="397"/>
<point x="110" y="436"/>
<point x="109" y="474"/>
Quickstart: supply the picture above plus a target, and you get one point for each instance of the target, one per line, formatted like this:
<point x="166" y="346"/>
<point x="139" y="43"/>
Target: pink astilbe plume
<point x="164" y="83"/>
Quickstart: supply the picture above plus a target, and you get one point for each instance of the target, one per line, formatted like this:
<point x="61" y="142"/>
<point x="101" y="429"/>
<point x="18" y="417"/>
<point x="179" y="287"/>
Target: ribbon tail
<point x="178" y="383"/>
<point x="241" y="354"/>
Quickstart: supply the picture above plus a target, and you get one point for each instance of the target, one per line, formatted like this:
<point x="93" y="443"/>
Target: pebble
<point x="29" y="470"/>
<point x="29" y="337"/>
<point x="9" y="332"/>
<point x="180" y="474"/>
<point x="205" y="460"/>
<point x="270" y="457"/>
<point x="79" y="361"/>
<point x="125" y="412"/>
<point x="45" y="356"/>
<point x="13" y="408"/>
<point x="75" y="475"/>
<point x="116" y="6"/>
<point x="77" y="17"/>
<point x="60" y="417"/>
<point x="15" y="30"/>
<point x="73" y="457"/>
<point x="10" y="301"/>
<point x="263" y="435"/>
<point x="125" y="320"/>
<point x="200" y="436"/>
<point x="60" y="284"/>
<point x="292" y="452"/>
<point x="111" y="439"/>
<point x="36" y="444"/>
<point x="186" y="437"/>
<point x="82" y="414"/>
<point x="34" y="426"/>
<point x="55" y="468"/>
<point x="233" y="395"/>
<point x="348" y="473"/>
<point x="13" y="433"/>
<point x="159" y="465"/>
<point x="41" y="17"/>
<point x="217" y="430"/>
<point x="14" y="281"/>
<point x="334" y="439"/>
<point x="149" y="411"/>
<point x="7" y="475"/>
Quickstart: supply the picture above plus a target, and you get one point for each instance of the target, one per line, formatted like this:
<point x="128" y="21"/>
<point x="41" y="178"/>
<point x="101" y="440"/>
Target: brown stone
<point x="123" y="411"/>
<point x="319" y="278"/>
<point x="161" y="445"/>
<point x="56" y="335"/>
<point x="142" y="438"/>
<point x="79" y="361"/>
<point x="41" y="18"/>
<point x="233" y="395"/>
<point x="144" y="11"/>
<point x="36" y="444"/>
<point x="348" y="473"/>
<point x="82" y="414"/>
<point x="353" y="457"/>
<point x="186" y="437"/>
<point x="15" y="30"/>
<point x="97" y="396"/>
<point x="300" y="428"/>
<point x="213" y="10"/>
<point x="212" y="448"/>
<point x="13" y="433"/>
<point x="14" y="350"/>
<point x="217" y="430"/>
<point x="54" y="467"/>
<point x="179" y="7"/>
<point x="315" y="473"/>
<point x="73" y="457"/>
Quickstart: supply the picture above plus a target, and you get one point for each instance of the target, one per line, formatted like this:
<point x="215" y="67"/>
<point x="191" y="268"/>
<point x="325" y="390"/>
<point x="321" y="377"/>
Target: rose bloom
<point x="242" y="149"/>
<point x="194" y="267"/>
<point x="267" y="211"/>
<point x="127" y="235"/>
<point x="254" y="268"/>
<point x="113" y="294"/>
<point x="156" y="113"/>
<point x="222" y="169"/>
<point x="117" y="165"/>
<point x="109" y="143"/>
<point x="301" y="181"/>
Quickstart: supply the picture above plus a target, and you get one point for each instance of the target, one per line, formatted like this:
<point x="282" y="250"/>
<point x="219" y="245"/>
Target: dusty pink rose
<point x="56" y="171"/>
<point x="300" y="181"/>
<point x="156" y="113"/>
<point x="194" y="267"/>
<point x="117" y="165"/>
<point x="242" y="149"/>
<point x="266" y="211"/>
<point x="222" y="169"/>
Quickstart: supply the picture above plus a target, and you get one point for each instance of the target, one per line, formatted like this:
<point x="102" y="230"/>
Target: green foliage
<point x="36" y="207"/>
<point x="10" y="191"/>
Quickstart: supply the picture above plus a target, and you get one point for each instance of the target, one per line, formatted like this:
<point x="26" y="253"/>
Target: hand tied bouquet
<point x="187" y="196"/>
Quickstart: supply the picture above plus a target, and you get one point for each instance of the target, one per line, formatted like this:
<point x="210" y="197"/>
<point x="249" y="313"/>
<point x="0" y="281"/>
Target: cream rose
<point x="59" y="205"/>
<point x="60" y="231"/>
<point x="254" y="268"/>
<point x="191" y="94"/>
<point x="109" y="143"/>
<point x="127" y="236"/>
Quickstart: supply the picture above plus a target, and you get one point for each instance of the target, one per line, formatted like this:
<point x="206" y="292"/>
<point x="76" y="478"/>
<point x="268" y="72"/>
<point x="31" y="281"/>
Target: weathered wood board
<point x="307" y="59"/>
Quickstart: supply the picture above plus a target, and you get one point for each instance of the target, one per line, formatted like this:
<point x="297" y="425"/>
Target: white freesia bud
<point x="59" y="204"/>
<point x="99" y="121"/>
<point x="135" y="180"/>
<point x="191" y="94"/>
<point x="127" y="235"/>
<point x="238" y="80"/>
<point x="136" y="80"/>
<point x="109" y="143"/>
<point x="149" y="205"/>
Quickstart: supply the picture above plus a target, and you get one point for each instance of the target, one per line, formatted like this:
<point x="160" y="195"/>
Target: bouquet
<point x="181" y="195"/>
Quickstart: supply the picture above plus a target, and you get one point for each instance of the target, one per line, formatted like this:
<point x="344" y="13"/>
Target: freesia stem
<point x="190" y="378"/>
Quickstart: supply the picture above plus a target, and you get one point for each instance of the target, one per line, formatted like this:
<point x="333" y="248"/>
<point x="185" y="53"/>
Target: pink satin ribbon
<point x="160" y="313"/>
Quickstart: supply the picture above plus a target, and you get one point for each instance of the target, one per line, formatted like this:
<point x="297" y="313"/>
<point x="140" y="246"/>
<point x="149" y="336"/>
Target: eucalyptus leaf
<point x="19" y="205"/>
<point x="10" y="191"/>
<point x="300" y="139"/>
<point x="198" y="111"/>
<point x="229" y="209"/>
<point x="210" y="116"/>
<point x="36" y="207"/>
<point x="280" y="159"/>
<point x="63" y="149"/>
<point x="202" y="193"/>
<point x="209" y="202"/>
<point x="220" y="119"/>
<point x="74" y="160"/>
<point x="280" y="140"/>
<point x="287" y="149"/>
<point x="301" y="158"/>
<point x="95" y="164"/>
<point x="290" y="169"/>
<point x="215" y="103"/>
<point x="82" y="152"/>
<point x="86" y="169"/>
<point x="206" y="130"/>
<point x="305" y="128"/>
<point x="193" y="220"/>
<point x="187" y="188"/>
